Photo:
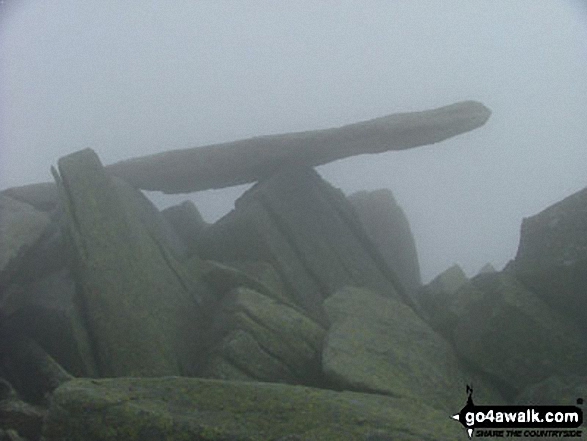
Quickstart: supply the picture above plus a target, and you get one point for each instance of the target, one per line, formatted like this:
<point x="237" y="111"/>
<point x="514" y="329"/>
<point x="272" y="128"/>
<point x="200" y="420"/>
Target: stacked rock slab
<point x="388" y="227"/>
<point x="135" y="302"/>
<point x="308" y="232"/>
<point x="263" y="339"/>
<point x="552" y="255"/>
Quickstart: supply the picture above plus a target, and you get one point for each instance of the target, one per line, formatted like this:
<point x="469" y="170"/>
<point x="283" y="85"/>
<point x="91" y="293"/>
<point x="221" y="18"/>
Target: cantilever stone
<point x="249" y="160"/>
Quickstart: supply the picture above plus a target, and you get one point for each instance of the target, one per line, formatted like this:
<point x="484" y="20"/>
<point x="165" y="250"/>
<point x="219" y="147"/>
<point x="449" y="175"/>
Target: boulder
<point x="187" y="222"/>
<point x="250" y="160"/>
<point x="260" y="338"/>
<point x="307" y="230"/>
<point x="512" y="335"/>
<point x="389" y="229"/>
<point x="22" y="419"/>
<point x="136" y="301"/>
<point x="552" y="255"/>
<point x="137" y="409"/>
<point x="438" y="302"/>
<point x="33" y="373"/>
<point x="45" y="311"/>
<point x="379" y="345"/>
<point x="21" y="226"/>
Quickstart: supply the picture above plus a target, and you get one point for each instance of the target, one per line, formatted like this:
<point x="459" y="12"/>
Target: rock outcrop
<point x="388" y="228"/>
<point x="512" y="335"/>
<point x="139" y="309"/>
<point x="259" y="338"/>
<point x="137" y="409"/>
<point x="380" y="345"/>
<point x="552" y="255"/>
<point x="21" y="226"/>
<point x="308" y="232"/>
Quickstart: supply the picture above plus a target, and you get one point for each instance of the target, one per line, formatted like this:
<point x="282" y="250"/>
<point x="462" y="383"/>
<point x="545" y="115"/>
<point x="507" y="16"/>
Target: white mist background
<point x="138" y="77"/>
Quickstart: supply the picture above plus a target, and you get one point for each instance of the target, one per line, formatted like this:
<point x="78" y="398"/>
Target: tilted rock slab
<point x="389" y="229"/>
<point x="249" y="160"/>
<point x="263" y="339"/>
<point x="511" y="334"/>
<point x="380" y="345"/>
<point x="308" y="231"/>
<point x="552" y="255"/>
<point x="139" y="308"/>
<point x="178" y="409"/>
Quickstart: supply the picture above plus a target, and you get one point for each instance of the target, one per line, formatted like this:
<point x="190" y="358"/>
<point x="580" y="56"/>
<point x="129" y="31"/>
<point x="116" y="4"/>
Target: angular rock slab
<point x="308" y="231"/>
<point x="136" y="303"/>
<point x="509" y="333"/>
<point x="264" y="339"/>
<point x="552" y="255"/>
<point x="389" y="229"/>
<point x="250" y="160"/>
<point x="174" y="409"/>
<point x="380" y="345"/>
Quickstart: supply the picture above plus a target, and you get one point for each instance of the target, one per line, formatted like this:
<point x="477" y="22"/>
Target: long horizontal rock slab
<point x="249" y="160"/>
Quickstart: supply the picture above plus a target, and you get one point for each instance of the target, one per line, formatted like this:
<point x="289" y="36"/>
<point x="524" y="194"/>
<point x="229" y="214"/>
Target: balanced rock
<point x="308" y="231"/>
<point x="136" y="302"/>
<point x="389" y="229"/>
<point x="175" y="409"/>
<point x="250" y="160"/>
<point x="552" y="255"/>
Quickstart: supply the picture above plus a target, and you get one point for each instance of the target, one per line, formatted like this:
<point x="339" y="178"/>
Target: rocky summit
<point x="299" y="315"/>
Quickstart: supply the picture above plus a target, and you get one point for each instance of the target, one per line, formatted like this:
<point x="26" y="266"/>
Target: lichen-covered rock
<point x="137" y="303"/>
<point x="174" y="409"/>
<point x="380" y="345"/>
<point x="509" y="333"/>
<point x="260" y="338"/>
<point x="552" y="255"/>
<point x="308" y="231"/>
<point x="389" y="229"/>
<point x="21" y="226"/>
<point x="24" y="419"/>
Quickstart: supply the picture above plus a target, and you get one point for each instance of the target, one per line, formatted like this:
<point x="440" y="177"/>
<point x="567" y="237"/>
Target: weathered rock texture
<point x="137" y="305"/>
<point x="308" y="232"/>
<point x="174" y="409"/>
<point x="263" y="339"/>
<point x="388" y="227"/>
<point x="249" y="160"/>
<point x="242" y="162"/>
<point x="552" y="255"/>
<point x="380" y="345"/>
<point x="512" y="335"/>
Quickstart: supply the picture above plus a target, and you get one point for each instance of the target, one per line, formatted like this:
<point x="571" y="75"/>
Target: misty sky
<point x="138" y="77"/>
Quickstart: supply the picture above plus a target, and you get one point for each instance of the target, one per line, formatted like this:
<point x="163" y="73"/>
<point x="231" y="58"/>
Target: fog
<point x="133" y="78"/>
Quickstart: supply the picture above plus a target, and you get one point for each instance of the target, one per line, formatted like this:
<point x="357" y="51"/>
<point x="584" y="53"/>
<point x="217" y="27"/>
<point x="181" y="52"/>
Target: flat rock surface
<point x="133" y="409"/>
<point x="380" y="345"/>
